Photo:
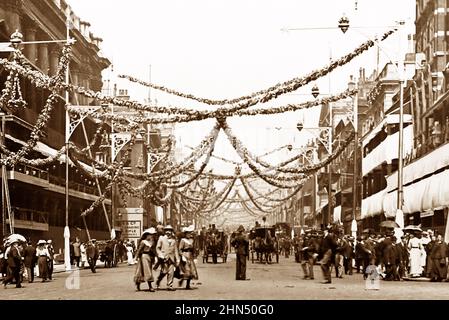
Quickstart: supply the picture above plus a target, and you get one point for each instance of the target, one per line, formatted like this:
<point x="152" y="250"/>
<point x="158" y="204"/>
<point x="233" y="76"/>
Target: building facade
<point x="37" y="195"/>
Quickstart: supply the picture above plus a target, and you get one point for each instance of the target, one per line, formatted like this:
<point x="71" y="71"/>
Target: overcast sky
<point x="228" y="48"/>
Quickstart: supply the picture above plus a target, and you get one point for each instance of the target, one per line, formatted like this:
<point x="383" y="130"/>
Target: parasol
<point x="412" y="228"/>
<point x="16" y="238"/>
<point x="389" y="224"/>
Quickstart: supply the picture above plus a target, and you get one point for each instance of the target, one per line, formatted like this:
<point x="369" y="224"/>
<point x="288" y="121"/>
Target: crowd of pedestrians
<point x="18" y="261"/>
<point x="415" y="254"/>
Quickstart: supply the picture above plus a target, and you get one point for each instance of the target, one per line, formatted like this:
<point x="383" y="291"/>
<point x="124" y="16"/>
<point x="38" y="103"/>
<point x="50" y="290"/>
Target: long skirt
<point x="415" y="262"/>
<point x="439" y="270"/>
<point x="43" y="267"/>
<point x="188" y="269"/>
<point x="144" y="269"/>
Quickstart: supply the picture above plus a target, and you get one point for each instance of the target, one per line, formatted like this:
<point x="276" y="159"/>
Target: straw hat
<point x="41" y="242"/>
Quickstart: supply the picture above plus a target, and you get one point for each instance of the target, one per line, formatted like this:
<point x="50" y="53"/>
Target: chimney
<point x="351" y="83"/>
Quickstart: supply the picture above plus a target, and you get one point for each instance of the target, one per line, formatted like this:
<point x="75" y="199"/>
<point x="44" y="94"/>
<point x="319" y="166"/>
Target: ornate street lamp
<point x="16" y="39"/>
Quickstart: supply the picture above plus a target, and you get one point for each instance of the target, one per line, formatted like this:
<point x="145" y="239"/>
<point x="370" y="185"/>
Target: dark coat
<point x="241" y="245"/>
<point x="439" y="251"/>
<point x="329" y="243"/>
<point x="14" y="258"/>
<point x="29" y="254"/>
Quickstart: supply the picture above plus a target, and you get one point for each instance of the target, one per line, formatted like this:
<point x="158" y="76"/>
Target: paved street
<point x="268" y="282"/>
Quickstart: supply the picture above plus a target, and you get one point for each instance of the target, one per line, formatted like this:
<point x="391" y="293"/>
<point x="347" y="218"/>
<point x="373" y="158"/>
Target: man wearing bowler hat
<point x="241" y="245"/>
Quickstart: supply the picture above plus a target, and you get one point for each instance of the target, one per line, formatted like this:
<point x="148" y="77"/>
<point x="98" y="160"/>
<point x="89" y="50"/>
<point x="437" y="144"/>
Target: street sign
<point x="131" y="228"/>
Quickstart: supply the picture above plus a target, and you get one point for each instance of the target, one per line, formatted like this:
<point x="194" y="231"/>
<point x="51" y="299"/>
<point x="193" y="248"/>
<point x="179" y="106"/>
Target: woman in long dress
<point x="415" y="249"/>
<point x="83" y="255"/>
<point x="187" y="252"/>
<point x="145" y="255"/>
<point x="43" y="256"/>
<point x="129" y="254"/>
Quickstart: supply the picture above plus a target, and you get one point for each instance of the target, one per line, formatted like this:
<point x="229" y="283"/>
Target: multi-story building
<point x="425" y="172"/>
<point x="37" y="195"/>
<point x="380" y="141"/>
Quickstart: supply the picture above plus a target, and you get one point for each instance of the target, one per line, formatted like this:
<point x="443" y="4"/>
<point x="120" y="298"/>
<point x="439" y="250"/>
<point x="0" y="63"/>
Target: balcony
<point x="29" y="219"/>
<point x="41" y="178"/>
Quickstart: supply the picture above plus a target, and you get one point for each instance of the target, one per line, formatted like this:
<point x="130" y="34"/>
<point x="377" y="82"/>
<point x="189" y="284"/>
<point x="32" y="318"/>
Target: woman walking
<point x="187" y="265"/>
<point x="145" y="255"/>
<point x="43" y="256"/>
<point x="415" y="249"/>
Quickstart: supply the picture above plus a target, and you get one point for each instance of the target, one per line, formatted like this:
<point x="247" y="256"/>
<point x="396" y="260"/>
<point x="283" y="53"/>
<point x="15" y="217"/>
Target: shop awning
<point x="388" y="150"/>
<point x="437" y="159"/>
<point x="427" y="194"/>
<point x="373" y="205"/>
<point x="389" y="119"/>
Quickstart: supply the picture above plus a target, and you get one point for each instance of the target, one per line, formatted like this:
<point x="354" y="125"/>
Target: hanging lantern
<point x="343" y="24"/>
<point x="315" y="91"/>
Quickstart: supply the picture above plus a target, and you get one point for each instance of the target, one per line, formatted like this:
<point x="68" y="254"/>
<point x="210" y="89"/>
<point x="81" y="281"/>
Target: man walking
<point x="328" y="248"/>
<point x="51" y="251"/>
<point x="241" y="245"/>
<point x="168" y="257"/>
<point x="77" y="252"/>
<point x="14" y="263"/>
<point x="30" y="259"/>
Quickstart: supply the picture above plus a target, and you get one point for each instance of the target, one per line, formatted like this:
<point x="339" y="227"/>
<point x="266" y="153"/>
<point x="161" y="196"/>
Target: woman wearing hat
<point x="187" y="252"/>
<point x="145" y="255"/>
<point x="43" y="256"/>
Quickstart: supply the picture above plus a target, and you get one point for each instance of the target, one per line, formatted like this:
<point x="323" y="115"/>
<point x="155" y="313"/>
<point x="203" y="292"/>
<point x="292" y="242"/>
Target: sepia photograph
<point x="224" y="150"/>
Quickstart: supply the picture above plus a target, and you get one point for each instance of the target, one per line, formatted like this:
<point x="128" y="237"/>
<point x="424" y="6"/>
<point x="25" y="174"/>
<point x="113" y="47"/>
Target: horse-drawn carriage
<point x="110" y="252"/>
<point x="264" y="244"/>
<point x="215" y="245"/>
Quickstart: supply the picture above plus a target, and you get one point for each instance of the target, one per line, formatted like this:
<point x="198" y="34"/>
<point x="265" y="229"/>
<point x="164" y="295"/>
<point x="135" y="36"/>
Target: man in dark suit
<point x="14" y="262"/>
<point x="92" y="253"/>
<point x="51" y="251"/>
<point x="438" y="255"/>
<point x="328" y="249"/>
<point x="30" y="259"/>
<point x="241" y="245"/>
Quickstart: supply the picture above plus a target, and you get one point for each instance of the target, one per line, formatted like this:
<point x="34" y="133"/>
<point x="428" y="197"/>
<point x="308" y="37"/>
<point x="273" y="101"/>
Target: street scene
<point x="273" y="282"/>
<point x="224" y="150"/>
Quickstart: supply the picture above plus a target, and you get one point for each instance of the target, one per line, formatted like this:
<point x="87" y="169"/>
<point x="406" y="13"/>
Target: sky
<point x="229" y="48"/>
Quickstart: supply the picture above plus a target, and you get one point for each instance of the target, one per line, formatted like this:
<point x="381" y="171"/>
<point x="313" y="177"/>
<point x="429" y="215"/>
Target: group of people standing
<point x="416" y="254"/>
<point x="20" y="258"/>
<point x="174" y="256"/>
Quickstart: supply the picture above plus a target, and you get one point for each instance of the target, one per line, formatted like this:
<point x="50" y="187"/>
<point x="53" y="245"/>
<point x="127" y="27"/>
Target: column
<point x="43" y="58"/>
<point x="31" y="49"/>
<point x="54" y="59"/>
<point x="74" y="74"/>
<point x="13" y="8"/>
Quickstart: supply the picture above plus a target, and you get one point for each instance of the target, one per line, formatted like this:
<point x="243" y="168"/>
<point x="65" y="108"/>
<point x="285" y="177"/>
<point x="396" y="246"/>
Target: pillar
<point x="31" y="49"/>
<point x="43" y="58"/>
<point x="54" y="60"/>
<point x="13" y="12"/>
